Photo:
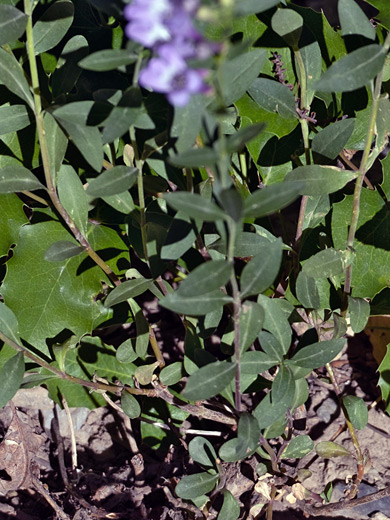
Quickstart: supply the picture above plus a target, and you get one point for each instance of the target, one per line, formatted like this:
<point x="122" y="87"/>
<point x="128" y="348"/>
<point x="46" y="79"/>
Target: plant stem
<point x="45" y="152"/>
<point x="363" y="167"/>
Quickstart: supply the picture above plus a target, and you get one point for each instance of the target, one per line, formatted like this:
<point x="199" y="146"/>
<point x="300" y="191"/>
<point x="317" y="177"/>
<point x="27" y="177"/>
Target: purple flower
<point x="166" y="26"/>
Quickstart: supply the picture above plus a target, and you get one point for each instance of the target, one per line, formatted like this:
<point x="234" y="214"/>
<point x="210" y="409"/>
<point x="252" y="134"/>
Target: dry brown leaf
<point x="378" y="330"/>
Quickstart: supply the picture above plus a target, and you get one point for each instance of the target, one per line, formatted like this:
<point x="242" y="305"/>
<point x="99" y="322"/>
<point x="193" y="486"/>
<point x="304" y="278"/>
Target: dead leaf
<point x="378" y="330"/>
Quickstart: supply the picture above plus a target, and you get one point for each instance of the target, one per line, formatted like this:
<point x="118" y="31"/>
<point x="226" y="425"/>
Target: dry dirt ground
<point x="118" y="476"/>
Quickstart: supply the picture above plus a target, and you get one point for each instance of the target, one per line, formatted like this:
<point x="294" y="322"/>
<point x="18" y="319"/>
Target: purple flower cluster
<point x="166" y="27"/>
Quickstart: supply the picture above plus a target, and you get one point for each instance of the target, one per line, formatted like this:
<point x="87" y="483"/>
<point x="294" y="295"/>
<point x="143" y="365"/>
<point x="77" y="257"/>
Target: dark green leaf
<point x="206" y="278"/>
<point x="209" y="380"/>
<point x="13" y="118"/>
<point x="67" y="72"/>
<point x="312" y="60"/>
<point x="272" y="198"/>
<point x="236" y="141"/>
<point x="11" y="378"/>
<point x="171" y="374"/>
<point x="357" y="411"/>
<point x="12" y="76"/>
<point x="12" y="218"/>
<point x="237" y="75"/>
<point x="268" y="412"/>
<point x="12" y="25"/>
<point x="73" y="197"/>
<point x="328" y="449"/>
<point x="276" y="320"/>
<point x="192" y="486"/>
<point x="320" y="180"/>
<point x="261" y="271"/>
<point x="298" y="447"/>
<point x="307" y="291"/>
<point x="318" y="354"/>
<point x="57" y="143"/>
<point x="288" y="24"/>
<point x="271" y="346"/>
<point x="230" y="509"/>
<point x="126" y="290"/>
<point x="62" y="250"/>
<point x="125" y="353"/>
<point x="202" y="451"/>
<point x="52" y="26"/>
<point x="330" y="141"/>
<point x="195" y="305"/>
<point x="113" y="181"/>
<point x="274" y="97"/>
<point x="325" y="264"/>
<point x="248" y="435"/>
<point x="245" y="7"/>
<point x="9" y="323"/>
<point x="354" y="70"/>
<point x="17" y="178"/>
<point x="251" y="322"/>
<point x="384" y="379"/>
<point x="195" y="158"/>
<point x="359" y="311"/>
<point x="194" y="205"/>
<point x="353" y="20"/>
<point x="181" y="235"/>
<point x="122" y="202"/>
<point x="130" y="405"/>
<point x="283" y="387"/>
<point x="255" y="362"/>
<point x="107" y="59"/>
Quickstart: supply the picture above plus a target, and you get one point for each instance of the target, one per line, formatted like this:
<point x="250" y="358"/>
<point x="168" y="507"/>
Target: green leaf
<point x="12" y="76"/>
<point x="112" y="181"/>
<point x="283" y="387"/>
<point x="62" y="250"/>
<point x="209" y="380"/>
<point x="194" y="205"/>
<point x="122" y="202"/>
<point x="125" y="353"/>
<point x="307" y="291"/>
<point x="72" y="196"/>
<point x="172" y="374"/>
<point x="248" y="435"/>
<point x="195" y="305"/>
<point x="318" y="354"/>
<point x="57" y="143"/>
<point x="271" y="346"/>
<point x="298" y="447"/>
<point x="272" y="198"/>
<point x="274" y="97"/>
<point x="353" y="20"/>
<point x="261" y="271"/>
<point x="276" y="321"/>
<point x="126" y="290"/>
<point x="328" y="449"/>
<point x="359" y="311"/>
<point x="107" y="59"/>
<point x="181" y="235"/>
<point x="17" y="178"/>
<point x="255" y="362"/>
<point x="12" y="218"/>
<point x="11" y="378"/>
<point x="245" y="7"/>
<point x="130" y="405"/>
<point x="39" y="305"/>
<point x="236" y="142"/>
<point x="144" y="373"/>
<point x="251" y="322"/>
<point x="87" y="139"/>
<point x="13" y="117"/>
<point x="312" y="60"/>
<point x="268" y="412"/>
<point x="357" y="411"/>
<point x="288" y="24"/>
<point x="202" y="451"/>
<point x="384" y="15"/>
<point x="237" y="75"/>
<point x="12" y="25"/>
<point x="230" y="509"/>
<point x="354" y="70"/>
<point x="205" y="278"/>
<point x="192" y="486"/>
<point x="316" y="209"/>
<point x="195" y="158"/>
<point x="142" y="327"/>
<point x="320" y="180"/>
<point x="52" y="26"/>
<point x="9" y="323"/>
<point x="67" y="72"/>
<point x="325" y="264"/>
<point x="384" y="379"/>
<point x="330" y="141"/>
